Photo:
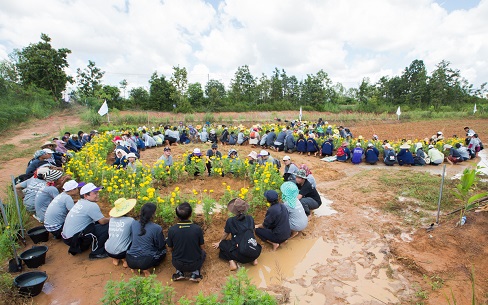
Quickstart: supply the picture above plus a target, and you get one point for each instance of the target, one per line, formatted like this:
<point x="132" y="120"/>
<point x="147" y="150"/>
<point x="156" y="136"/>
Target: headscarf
<point x="124" y="153"/>
<point x="289" y="193"/>
<point x="60" y="146"/>
<point x="307" y="170"/>
<point x="39" y="153"/>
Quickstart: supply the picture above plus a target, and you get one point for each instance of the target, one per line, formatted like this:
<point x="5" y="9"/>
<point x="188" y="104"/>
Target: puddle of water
<point x="325" y="208"/>
<point x="482" y="166"/>
<point x="319" y="272"/>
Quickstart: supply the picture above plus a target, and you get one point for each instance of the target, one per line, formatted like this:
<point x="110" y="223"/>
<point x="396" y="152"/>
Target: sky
<point x="348" y="39"/>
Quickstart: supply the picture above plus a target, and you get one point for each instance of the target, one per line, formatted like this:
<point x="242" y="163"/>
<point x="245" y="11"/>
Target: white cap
<point x="71" y="185"/>
<point x="89" y="187"/>
<point x="48" y="151"/>
<point x="197" y="151"/>
<point x="131" y="155"/>
<point x="263" y="153"/>
<point x="286" y="158"/>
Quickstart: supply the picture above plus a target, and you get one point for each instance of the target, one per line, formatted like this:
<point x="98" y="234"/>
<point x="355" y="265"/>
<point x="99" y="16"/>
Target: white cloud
<point x="349" y="39"/>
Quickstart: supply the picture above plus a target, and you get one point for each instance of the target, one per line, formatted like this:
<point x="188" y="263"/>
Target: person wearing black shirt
<point x="308" y="196"/>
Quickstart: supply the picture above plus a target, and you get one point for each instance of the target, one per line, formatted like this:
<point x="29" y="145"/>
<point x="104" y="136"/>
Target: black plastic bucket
<point x="30" y="283"/>
<point x="13" y="266"/>
<point x="35" y="256"/>
<point x="38" y="234"/>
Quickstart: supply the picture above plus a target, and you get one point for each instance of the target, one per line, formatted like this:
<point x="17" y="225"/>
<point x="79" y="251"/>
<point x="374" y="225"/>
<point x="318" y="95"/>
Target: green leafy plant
<point x="137" y="291"/>
<point x="464" y="190"/>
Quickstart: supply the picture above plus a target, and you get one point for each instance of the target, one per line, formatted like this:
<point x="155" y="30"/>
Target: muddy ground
<point x="353" y="251"/>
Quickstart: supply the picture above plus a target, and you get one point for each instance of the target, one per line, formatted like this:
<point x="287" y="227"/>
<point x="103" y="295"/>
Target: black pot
<point x="35" y="256"/>
<point x="13" y="266"/>
<point x="38" y="234"/>
<point x="30" y="283"/>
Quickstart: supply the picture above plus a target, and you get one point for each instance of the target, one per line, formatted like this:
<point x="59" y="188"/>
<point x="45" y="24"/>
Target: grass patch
<point x="9" y="152"/>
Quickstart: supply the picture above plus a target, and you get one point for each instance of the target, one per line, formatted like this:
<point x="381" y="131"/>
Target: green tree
<point x="179" y="80"/>
<point x="139" y="97"/>
<point x="43" y="66"/>
<point x="243" y="86"/>
<point x="112" y="95"/>
<point x="123" y="85"/>
<point x="317" y="90"/>
<point x="216" y="94"/>
<point x="277" y="92"/>
<point x="89" y="80"/>
<point x="263" y="90"/>
<point x="443" y="85"/>
<point x="414" y="78"/>
<point x="195" y="95"/>
<point x="160" y="94"/>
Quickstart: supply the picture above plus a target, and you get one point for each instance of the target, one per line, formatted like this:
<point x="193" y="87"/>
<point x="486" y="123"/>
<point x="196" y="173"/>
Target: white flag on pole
<point x="474" y="110"/>
<point x="104" y="109"/>
<point x="398" y="111"/>
<point x="300" y="116"/>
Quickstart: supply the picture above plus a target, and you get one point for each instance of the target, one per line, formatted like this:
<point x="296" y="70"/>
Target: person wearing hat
<point x="463" y="151"/>
<point x="193" y="160"/>
<point x="264" y="157"/>
<point x="212" y="154"/>
<point x="56" y="157"/>
<point x="74" y="143"/>
<point x="185" y="241"/>
<point x="310" y="177"/>
<point x="404" y="156"/>
<point x="59" y="207"/>
<point x="85" y="226"/>
<point x="148" y="245"/>
<point x="420" y="156"/>
<point x="254" y="137"/>
<point x="262" y="142"/>
<point x="357" y="154"/>
<point x="372" y="154"/>
<point x="436" y="157"/>
<point x="28" y="188"/>
<point x="290" y="169"/>
<point x="389" y="155"/>
<point x="296" y="214"/>
<point x="252" y="157"/>
<point x="224" y="137"/>
<point x="275" y="228"/>
<point x="166" y="158"/>
<point x="289" y="144"/>
<point x="343" y="153"/>
<point x="235" y="226"/>
<point x="308" y="195"/>
<point x="474" y="145"/>
<point x="241" y="137"/>
<point x="203" y="135"/>
<point x="133" y="165"/>
<point x="47" y="193"/>
<point x="454" y="156"/>
<point x="119" y="230"/>
<point x="41" y="158"/>
<point x="212" y="136"/>
<point x="469" y="133"/>
<point x="120" y="158"/>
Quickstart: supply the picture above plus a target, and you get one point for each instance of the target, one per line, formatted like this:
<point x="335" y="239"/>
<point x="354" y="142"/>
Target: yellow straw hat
<point x="122" y="206"/>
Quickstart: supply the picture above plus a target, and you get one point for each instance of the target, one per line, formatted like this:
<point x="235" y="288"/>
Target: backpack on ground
<point x="247" y="245"/>
<point x="340" y="151"/>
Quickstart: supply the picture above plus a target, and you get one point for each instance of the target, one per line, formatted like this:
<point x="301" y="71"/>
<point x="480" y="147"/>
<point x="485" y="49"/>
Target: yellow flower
<point x="211" y="191"/>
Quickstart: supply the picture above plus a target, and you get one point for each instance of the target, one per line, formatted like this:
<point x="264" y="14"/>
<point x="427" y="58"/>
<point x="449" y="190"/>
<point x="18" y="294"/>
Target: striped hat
<point x="53" y="175"/>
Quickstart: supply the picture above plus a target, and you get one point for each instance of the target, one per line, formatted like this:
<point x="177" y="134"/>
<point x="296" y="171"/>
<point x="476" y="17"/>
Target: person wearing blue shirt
<point x="371" y="155"/>
<point x="404" y="156"/>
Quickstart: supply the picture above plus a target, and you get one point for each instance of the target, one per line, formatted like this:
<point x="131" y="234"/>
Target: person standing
<point x="185" y="240"/>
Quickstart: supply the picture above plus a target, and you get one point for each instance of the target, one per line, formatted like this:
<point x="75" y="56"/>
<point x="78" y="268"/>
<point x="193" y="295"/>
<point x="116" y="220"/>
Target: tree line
<point x="42" y="67"/>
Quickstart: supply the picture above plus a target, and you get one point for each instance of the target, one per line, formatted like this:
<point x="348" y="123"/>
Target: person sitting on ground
<point x="185" y="241"/>
<point x="301" y="143"/>
<point x="279" y="143"/>
<point x="343" y="153"/>
<point x="47" y="193"/>
<point x="263" y="140"/>
<point x="290" y="169"/>
<point x="420" y="156"/>
<point x="184" y="139"/>
<point x="404" y="156"/>
<point x="194" y="157"/>
<point x="166" y="157"/>
<point x="289" y="145"/>
<point x="232" y="139"/>
<point x="193" y="134"/>
<point x="212" y="154"/>
<point x="133" y="164"/>
<point x="155" y="136"/>
<point x="310" y="177"/>
<point x="312" y="146"/>
<point x="119" y="230"/>
<point x="463" y="151"/>
<point x="60" y="146"/>
<point x="308" y="195"/>
<point x="264" y="158"/>
<point x="275" y="228"/>
<point x="241" y="138"/>
<point x="389" y="155"/>
<point x="85" y="226"/>
<point x="327" y="148"/>
<point x="56" y="157"/>
<point x="371" y="155"/>
<point x="60" y="206"/>
<point x="469" y="133"/>
<point x="357" y="154"/>
<point x="212" y="137"/>
<point x="436" y="157"/>
<point x="204" y="135"/>
<point x="41" y="158"/>
<point x="254" y="137"/>
<point x="174" y="136"/>
<point x="252" y="157"/>
<point x="148" y="246"/>
<point x="224" y="137"/>
<point x="270" y="139"/>
<point x="74" y="143"/>
<point x="297" y="217"/>
<point x="121" y="160"/>
<point x="29" y="188"/>
<point x="454" y="156"/>
<point x="236" y="226"/>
